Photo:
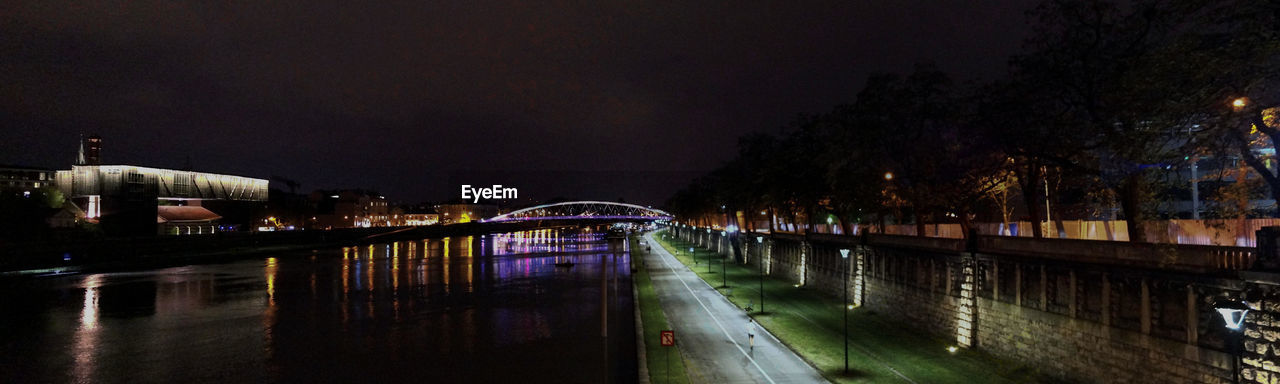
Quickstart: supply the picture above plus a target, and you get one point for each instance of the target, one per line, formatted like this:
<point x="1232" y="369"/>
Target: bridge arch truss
<point x="584" y="210"/>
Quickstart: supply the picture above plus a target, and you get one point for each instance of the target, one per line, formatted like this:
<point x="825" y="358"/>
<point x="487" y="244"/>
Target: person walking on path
<point x="751" y="333"/>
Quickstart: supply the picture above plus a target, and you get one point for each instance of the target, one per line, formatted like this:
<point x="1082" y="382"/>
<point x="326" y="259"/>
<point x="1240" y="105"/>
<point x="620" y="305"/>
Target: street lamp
<point x="708" y="253"/>
<point x="888" y="175"/>
<point x="1233" y="313"/>
<point x="724" y="277"/>
<point x="760" y="261"/>
<point x="1239" y="102"/>
<point x="844" y="277"/>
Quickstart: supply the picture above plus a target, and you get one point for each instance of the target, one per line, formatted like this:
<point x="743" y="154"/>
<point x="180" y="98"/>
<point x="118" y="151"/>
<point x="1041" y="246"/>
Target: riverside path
<point x="712" y="333"/>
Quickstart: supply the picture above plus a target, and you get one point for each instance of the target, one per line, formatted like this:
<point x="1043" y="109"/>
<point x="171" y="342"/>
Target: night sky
<point x="585" y="100"/>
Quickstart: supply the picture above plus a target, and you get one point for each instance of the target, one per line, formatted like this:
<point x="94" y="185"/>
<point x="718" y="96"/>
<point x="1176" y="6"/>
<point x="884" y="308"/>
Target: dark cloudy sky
<point x="591" y="99"/>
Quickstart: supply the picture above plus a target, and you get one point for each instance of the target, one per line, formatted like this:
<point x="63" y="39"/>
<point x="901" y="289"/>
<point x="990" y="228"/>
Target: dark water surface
<point x="463" y="309"/>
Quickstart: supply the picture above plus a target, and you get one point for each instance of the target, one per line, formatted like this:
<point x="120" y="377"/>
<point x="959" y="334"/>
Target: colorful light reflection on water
<point x="431" y="309"/>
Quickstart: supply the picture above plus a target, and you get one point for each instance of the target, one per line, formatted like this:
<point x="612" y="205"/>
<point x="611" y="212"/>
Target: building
<point x="90" y="151"/>
<point x="126" y="199"/>
<point x="185" y="220"/>
<point x="419" y="219"/>
<point x="354" y="208"/>
<point x="24" y="180"/>
<point x="1217" y="187"/>
<point x="464" y="213"/>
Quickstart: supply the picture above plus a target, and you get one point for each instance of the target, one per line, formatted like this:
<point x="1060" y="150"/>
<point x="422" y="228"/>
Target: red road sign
<point x="668" y="338"/>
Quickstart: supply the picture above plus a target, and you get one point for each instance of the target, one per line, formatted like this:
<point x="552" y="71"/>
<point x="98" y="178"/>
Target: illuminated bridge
<point x="583" y="210"/>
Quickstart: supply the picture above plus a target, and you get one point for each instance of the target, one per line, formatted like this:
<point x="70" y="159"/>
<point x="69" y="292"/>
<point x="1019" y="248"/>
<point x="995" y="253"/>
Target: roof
<point x="25" y="168"/>
<point x="171" y="213"/>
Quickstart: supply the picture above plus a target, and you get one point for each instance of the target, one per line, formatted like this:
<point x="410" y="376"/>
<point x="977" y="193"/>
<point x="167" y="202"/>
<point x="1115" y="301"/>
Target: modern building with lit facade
<point x="125" y="199"/>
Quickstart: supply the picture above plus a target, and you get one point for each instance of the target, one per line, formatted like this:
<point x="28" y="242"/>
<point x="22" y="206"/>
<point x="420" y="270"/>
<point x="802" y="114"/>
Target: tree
<point x="920" y="128"/>
<point x="1101" y="75"/>
<point x="1232" y="53"/>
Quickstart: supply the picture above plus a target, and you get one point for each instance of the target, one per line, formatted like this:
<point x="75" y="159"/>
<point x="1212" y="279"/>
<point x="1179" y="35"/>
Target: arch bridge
<point x="583" y="211"/>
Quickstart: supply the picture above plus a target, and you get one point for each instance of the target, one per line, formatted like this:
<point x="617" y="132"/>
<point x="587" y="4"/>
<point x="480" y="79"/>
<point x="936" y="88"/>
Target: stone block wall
<point x="786" y="259"/>
<point x="1075" y="349"/>
<point x="930" y="311"/>
<point x="824" y="269"/>
<point x="1260" y="355"/>
<point x="1073" y="321"/>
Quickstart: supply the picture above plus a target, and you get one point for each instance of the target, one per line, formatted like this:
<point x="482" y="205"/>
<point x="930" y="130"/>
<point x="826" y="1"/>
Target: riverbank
<point x="41" y="256"/>
<point x="72" y="254"/>
<point x="810" y="323"/>
<point x="665" y="364"/>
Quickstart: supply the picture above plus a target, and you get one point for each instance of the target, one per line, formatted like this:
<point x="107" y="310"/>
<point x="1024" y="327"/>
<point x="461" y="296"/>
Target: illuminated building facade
<point x="124" y="198"/>
<point x="165" y="184"/>
<point x="419" y="219"/>
<point x="465" y="213"/>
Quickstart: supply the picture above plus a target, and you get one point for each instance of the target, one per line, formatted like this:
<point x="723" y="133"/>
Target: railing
<point x="1182" y="257"/>
<point x="916" y="242"/>
<point x="1224" y="232"/>
<point x="1148" y="255"/>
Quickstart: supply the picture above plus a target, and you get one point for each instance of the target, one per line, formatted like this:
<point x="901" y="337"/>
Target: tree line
<point x="1103" y="104"/>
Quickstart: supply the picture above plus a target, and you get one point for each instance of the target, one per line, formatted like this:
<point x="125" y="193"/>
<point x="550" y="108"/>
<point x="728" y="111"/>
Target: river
<point x="492" y="308"/>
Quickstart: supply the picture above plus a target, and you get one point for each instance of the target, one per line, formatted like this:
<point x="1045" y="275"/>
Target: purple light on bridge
<point x="605" y="217"/>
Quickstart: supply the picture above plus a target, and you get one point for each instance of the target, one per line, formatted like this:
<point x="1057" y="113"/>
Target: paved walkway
<point x="712" y="332"/>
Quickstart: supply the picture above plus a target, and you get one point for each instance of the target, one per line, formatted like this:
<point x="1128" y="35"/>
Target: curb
<point x="642" y="367"/>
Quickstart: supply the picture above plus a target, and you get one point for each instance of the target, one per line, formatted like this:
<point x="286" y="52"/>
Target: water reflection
<point x="87" y="333"/>
<point x="269" y="314"/>
<point x="452" y="306"/>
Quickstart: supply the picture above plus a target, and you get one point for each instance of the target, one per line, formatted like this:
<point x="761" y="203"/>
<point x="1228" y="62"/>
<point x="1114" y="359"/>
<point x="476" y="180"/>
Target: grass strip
<point x="659" y="359"/>
<point x="881" y="349"/>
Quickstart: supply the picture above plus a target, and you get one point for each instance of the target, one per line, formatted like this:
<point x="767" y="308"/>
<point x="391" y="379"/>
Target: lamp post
<point x="844" y="277"/>
<point x="760" y="261"/>
<point x="1233" y="313"/>
<point x="724" y="277"/>
<point x="708" y="253"/>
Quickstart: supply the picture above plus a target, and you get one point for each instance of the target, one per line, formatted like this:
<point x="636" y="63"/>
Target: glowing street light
<point x="1233" y="313"/>
<point x="1240" y="102"/>
<point x="888" y="175"/>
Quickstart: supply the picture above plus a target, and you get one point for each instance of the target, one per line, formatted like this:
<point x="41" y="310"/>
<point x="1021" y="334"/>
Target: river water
<point x="493" y="308"/>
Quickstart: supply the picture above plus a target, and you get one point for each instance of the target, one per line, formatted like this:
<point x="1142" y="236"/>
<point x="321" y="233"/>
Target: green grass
<point x="810" y="323"/>
<point x="659" y="359"/>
